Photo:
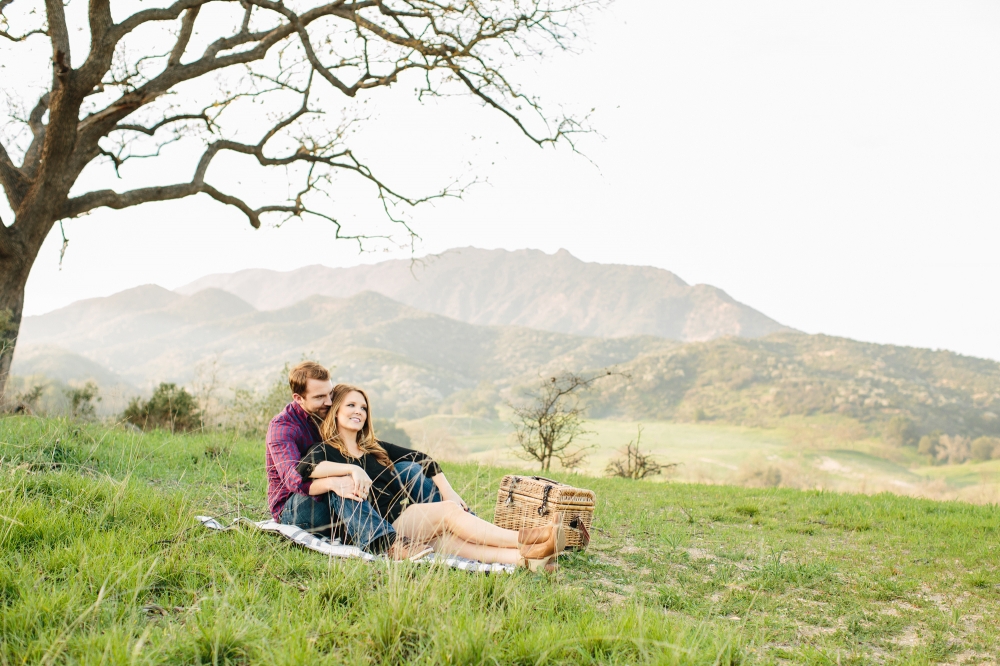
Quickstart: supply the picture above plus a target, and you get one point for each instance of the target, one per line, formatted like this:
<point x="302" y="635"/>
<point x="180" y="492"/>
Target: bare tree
<point x="198" y="73"/>
<point x="549" y="422"/>
<point x="634" y="464"/>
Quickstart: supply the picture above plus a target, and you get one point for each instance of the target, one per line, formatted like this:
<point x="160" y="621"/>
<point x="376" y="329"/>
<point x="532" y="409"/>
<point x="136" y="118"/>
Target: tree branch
<point x="150" y="131"/>
<point x="59" y="36"/>
<point x="29" y="165"/>
<point x="21" y="38"/>
<point x="101" y="22"/>
<point x="15" y="185"/>
<point x="17" y="38"/>
<point x="187" y="27"/>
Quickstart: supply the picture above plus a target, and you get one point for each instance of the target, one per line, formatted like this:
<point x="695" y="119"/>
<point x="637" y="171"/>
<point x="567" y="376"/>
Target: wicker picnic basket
<point x="529" y="501"/>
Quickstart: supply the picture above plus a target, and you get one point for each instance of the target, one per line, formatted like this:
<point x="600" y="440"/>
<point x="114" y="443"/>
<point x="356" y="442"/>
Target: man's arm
<point x="285" y="457"/>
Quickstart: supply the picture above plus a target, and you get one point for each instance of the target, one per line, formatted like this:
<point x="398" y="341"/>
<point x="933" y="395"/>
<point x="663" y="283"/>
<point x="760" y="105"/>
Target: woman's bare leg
<point x="450" y="545"/>
<point x="425" y="522"/>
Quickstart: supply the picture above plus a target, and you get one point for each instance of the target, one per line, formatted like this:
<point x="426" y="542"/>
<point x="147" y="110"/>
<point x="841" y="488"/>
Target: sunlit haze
<point x="833" y="165"/>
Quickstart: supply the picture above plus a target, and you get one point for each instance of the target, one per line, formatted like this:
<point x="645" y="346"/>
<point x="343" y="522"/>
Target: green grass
<point x="101" y="562"/>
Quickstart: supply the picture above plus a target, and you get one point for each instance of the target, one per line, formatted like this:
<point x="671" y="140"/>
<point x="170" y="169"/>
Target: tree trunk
<point x="13" y="276"/>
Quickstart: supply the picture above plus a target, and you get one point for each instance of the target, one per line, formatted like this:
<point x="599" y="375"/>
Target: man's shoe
<point x="406" y="549"/>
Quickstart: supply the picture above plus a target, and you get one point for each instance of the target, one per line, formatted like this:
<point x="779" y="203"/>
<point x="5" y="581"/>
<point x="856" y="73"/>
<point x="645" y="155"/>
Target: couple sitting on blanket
<point x="329" y="475"/>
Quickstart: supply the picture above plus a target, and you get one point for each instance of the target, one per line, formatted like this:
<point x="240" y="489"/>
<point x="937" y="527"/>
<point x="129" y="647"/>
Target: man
<point x="327" y="506"/>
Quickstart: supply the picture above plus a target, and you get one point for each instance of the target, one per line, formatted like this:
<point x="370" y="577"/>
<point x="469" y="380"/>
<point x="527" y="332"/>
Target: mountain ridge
<point x="530" y="288"/>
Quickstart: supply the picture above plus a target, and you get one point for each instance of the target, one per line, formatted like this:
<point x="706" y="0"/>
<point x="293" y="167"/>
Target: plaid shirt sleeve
<point x="285" y="456"/>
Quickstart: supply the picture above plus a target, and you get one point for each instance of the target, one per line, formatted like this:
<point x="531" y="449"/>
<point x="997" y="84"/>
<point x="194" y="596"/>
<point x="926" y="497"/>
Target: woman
<point x="349" y="448"/>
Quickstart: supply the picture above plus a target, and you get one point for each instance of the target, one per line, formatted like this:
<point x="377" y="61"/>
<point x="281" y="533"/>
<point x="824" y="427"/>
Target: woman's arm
<point x="345" y="479"/>
<point x="340" y="485"/>
<point x="400" y="453"/>
<point x="447" y="492"/>
<point x="326" y="468"/>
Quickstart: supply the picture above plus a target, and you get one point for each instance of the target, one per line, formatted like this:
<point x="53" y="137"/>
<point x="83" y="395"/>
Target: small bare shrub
<point x="634" y="464"/>
<point x="550" y="420"/>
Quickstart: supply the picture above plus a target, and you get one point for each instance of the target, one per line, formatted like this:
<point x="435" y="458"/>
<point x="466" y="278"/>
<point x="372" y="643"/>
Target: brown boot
<point x="548" y="565"/>
<point x="532" y="535"/>
<point x="542" y="554"/>
<point x="405" y="548"/>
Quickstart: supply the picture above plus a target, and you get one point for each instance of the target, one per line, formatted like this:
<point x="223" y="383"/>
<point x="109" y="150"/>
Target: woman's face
<point x="353" y="412"/>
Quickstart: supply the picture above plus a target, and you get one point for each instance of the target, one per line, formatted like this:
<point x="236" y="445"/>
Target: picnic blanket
<point x="336" y="548"/>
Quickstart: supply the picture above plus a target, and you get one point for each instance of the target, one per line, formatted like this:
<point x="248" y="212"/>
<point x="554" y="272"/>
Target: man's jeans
<point x="356" y="522"/>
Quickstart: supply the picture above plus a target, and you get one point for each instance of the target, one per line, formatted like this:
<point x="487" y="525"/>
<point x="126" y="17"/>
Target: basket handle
<point x="542" y="478"/>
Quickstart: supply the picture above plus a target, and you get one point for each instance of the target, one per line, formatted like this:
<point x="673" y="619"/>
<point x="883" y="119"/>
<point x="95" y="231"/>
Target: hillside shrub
<point x="81" y="401"/>
<point x="928" y="444"/>
<point x="387" y="432"/>
<point x="901" y="431"/>
<point x="952" y="450"/>
<point x="251" y="411"/>
<point x="985" y="448"/>
<point x="27" y="401"/>
<point x="170" y="408"/>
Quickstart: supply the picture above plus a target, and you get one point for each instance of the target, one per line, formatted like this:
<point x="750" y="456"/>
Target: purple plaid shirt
<point x="289" y="436"/>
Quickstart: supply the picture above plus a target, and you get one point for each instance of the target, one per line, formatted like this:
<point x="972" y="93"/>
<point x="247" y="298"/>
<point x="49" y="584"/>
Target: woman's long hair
<point x="330" y="433"/>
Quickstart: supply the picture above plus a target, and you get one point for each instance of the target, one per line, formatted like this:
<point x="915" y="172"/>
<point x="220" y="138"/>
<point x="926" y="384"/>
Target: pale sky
<point x="832" y="164"/>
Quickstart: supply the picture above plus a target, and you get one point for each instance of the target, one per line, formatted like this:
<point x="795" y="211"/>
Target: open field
<point x="102" y="563"/>
<point x="808" y="454"/>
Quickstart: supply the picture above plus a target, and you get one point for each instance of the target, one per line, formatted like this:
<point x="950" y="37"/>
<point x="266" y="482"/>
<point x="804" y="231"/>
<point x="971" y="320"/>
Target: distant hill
<point x="757" y="382"/>
<point x="556" y="292"/>
<point x="419" y="363"/>
<point x="63" y="366"/>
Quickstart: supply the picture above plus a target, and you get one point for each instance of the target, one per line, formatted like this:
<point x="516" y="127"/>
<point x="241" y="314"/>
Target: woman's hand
<point x="344" y="486"/>
<point x="349" y="481"/>
<point x="448" y="493"/>
<point x="459" y="501"/>
<point x="362" y="482"/>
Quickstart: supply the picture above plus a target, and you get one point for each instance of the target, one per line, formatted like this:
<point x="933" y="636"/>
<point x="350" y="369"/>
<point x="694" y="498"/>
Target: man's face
<point x="317" y="398"/>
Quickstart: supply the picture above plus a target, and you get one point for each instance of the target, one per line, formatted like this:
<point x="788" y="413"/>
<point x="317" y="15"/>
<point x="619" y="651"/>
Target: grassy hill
<point x="101" y="562"/>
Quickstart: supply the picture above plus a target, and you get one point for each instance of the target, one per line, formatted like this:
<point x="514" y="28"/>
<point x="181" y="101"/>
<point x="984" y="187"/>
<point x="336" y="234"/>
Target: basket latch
<point x="543" y="509"/>
<point x="510" y="491"/>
